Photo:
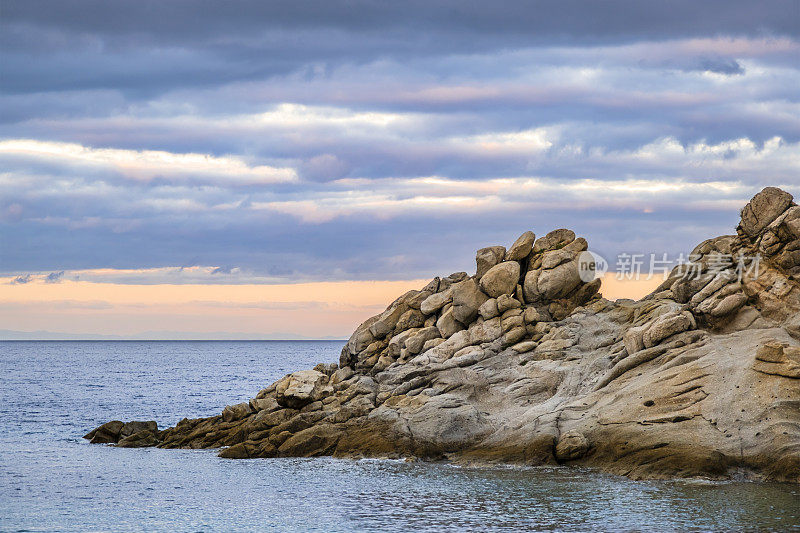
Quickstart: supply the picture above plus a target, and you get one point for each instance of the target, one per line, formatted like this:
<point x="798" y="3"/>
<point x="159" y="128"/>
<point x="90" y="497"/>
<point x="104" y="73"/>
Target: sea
<point x="52" y="393"/>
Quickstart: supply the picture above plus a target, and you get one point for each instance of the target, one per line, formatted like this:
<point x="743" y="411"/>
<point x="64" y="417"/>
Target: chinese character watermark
<point x="634" y="267"/>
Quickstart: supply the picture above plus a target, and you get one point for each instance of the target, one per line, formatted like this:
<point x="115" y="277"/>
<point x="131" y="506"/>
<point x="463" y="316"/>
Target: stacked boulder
<point x="512" y="290"/>
<point x="525" y="362"/>
<point x="738" y="278"/>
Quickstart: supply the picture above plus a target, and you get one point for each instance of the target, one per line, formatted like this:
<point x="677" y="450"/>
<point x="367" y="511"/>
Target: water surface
<point x="52" y="480"/>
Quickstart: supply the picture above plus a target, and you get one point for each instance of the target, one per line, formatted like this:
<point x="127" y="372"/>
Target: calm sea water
<point x="52" y="480"/>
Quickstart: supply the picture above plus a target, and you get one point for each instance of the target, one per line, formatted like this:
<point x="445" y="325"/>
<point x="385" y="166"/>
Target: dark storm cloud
<point x="189" y="21"/>
<point x="374" y="140"/>
<point x="151" y="46"/>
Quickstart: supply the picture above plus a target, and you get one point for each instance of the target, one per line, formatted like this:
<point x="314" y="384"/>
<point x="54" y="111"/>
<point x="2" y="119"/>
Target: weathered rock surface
<point x="525" y="362"/>
<point x="134" y="434"/>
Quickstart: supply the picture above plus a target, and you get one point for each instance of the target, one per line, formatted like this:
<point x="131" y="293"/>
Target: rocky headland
<point x="525" y="362"/>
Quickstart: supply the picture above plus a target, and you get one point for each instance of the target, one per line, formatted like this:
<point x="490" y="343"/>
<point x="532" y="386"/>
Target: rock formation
<point x="526" y="363"/>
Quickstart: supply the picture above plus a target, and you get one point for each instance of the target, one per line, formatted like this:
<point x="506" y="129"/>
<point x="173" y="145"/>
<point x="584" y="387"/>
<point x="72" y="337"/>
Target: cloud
<point x="721" y="66"/>
<point x="333" y="141"/>
<point x="144" y="165"/>
<point x="54" y="277"/>
<point x="222" y="270"/>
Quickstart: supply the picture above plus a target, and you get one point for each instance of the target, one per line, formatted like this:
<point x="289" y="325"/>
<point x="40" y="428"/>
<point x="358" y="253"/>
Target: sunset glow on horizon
<point x="204" y="311"/>
<point x="288" y="169"/>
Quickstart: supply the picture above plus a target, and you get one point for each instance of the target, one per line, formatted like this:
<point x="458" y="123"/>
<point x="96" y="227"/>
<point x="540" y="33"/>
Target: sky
<point x="274" y="169"/>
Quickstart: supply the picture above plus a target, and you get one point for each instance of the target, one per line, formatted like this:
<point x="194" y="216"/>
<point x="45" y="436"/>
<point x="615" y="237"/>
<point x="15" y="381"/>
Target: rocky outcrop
<point x="132" y="434"/>
<point x="525" y="362"/>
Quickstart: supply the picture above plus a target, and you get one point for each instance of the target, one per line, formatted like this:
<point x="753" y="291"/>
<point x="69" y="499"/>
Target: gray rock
<point x="666" y="326"/>
<point x="342" y="374"/>
<point x="387" y="321"/>
<point x="410" y="319"/>
<point x="415" y="343"/>
<point x="398" y="342"/>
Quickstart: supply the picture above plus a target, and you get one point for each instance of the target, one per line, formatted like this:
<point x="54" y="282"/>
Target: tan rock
<point x="571" y="446"/>
<point x="554" y="240"/>
<point x="299" y="388"/>
<point x="489" y="309"/>
<point x="506" y="302"/>
<point x="236" y="412"/>
<point x="764" y="208"/>
<point x="448" y="325"/>
<point x="501" y="279"/>
<point x="467" y="299"/>
<point x="521" y="248"/>
<point x="434" y="302"/>
<point x="486" y="258"/>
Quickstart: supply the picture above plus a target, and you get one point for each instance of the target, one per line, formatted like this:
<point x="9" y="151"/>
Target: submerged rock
<point x="525" y="362"/>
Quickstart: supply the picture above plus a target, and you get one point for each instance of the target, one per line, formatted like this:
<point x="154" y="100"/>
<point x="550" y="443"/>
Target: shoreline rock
<point x="525" y="362"/>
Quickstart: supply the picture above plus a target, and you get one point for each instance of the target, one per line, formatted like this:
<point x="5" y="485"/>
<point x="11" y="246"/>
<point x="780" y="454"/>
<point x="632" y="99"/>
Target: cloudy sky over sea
<point x="291" y="161"/>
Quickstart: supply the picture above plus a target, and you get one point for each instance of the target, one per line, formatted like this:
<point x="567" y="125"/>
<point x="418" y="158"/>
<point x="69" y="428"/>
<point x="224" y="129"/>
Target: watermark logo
<point x="591" y="266"/>
<point x="693" y="267"/>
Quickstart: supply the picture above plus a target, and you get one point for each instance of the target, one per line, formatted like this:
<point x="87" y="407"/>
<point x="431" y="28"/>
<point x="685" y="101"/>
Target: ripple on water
<point x="51" y="479"/>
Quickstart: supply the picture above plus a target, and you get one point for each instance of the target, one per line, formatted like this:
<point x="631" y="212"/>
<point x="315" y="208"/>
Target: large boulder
<point x="415" y="343"/>
<point x="387" y="320"/>
<point x="410" y="319"/>
<point x="486" y="258"/>
<point x="764" y="208"/>
<point x="359" y="340"/>
<point x="521" y="247"/>
<point x="231" y="413"/>
<point x="434" y="302"/>
<point x="665" y="326"/>
<point x="559" y="281"/>
<point x="448" y="324"/>
<point x="300" y="388"/>
<point x="554" y="240"/>
<point x="500" y="279"/>
<point x="467" y="299"/>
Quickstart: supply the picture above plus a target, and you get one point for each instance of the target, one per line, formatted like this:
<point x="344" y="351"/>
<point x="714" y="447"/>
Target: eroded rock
<point x="525" y="362"/>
